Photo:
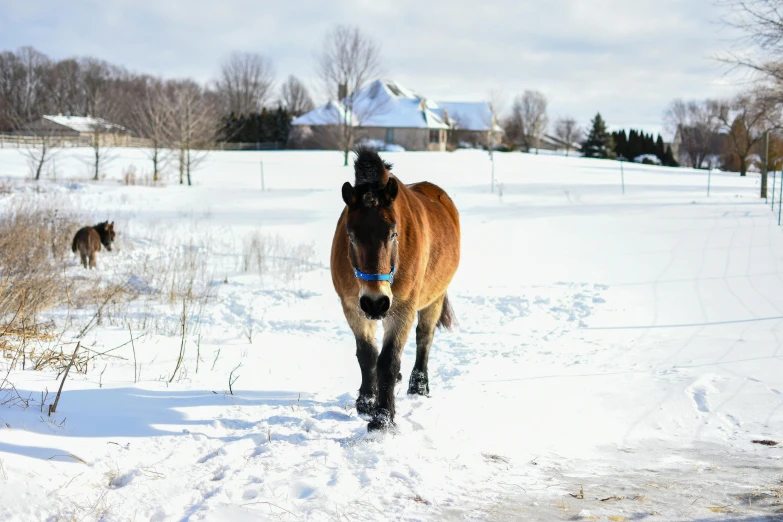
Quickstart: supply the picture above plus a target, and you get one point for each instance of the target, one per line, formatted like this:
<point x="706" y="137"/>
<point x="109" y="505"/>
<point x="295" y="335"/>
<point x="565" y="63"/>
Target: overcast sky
<point x="625" y="58"/>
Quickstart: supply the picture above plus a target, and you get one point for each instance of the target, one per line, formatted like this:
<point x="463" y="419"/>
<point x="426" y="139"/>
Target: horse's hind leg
<point x="367" y="354"/>
<point x="83" y="256"/>
<point x="92" y="259"/>
<point x="425" y="330"/>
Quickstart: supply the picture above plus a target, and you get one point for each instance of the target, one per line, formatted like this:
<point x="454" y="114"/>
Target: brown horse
<point x="88" y="241"/>
<point x="394" y="253"/>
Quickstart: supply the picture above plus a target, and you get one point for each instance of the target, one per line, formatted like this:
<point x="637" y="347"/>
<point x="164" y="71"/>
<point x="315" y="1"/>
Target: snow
<point x="330" y="113"/>
<point x="382" y="103"/>
<point x="625" y="346"/>
<point x="82" y="123"/>
<point x="651" y="159"/>
<point x="471" y="116"/>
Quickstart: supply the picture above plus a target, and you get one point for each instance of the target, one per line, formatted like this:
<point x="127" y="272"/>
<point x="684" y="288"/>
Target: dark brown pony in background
<point x="88" y="241"/>
<point x="394" y="253"/>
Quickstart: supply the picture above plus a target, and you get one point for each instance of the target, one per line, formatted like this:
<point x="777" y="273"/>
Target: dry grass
<point x="176" y="271"/>
<point x="34" y="241"/>
<point x="274" y="256"/>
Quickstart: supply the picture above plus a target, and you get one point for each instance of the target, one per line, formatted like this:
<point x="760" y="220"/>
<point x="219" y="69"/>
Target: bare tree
<point x="348" y="61"/>
<point x="745" y="120"/>
<point x="63" y="87"/>
<point x="761" y="21"/>
<point x="514" y="125"/>
<point x="153" y="120"/>
<point x="96" y="76"/>
<point x="569" y="132"/>
<point x="101" y="145"/>
<point x="22" y="84"/>
<point x="245" y="83"/>
<point x="193" y="118"/>
<point x="295" y="98"/>
<point x="496" y="105"/>
<point x="534" y="116"/>
<point x="528" y="120"/>
<point x="39" y="152"/>
<point x="695" y="125"/>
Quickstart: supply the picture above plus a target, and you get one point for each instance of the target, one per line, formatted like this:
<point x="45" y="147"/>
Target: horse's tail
<point x="73" y="245"/>
<point x="447" y="319"/>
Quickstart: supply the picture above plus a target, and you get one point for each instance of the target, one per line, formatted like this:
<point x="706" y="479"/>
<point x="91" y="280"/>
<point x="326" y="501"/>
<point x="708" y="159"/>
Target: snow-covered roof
<point x="330" y="113"/>
<point x="84" y="123"/>
<point x="382" y="103"/>
<point x="471" y="116"/>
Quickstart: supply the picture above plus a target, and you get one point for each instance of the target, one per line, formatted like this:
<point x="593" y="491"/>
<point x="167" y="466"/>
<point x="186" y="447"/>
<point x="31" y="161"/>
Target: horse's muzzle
<point x="374" y="307"/>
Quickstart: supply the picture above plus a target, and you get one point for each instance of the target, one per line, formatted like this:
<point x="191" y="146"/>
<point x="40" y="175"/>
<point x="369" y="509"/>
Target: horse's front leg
<point x="396" y="328"/>
<point x="367" y="355"/>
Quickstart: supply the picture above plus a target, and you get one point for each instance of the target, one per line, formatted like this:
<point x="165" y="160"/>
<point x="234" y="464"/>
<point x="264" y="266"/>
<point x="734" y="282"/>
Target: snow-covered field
<point x="616" y="355"/>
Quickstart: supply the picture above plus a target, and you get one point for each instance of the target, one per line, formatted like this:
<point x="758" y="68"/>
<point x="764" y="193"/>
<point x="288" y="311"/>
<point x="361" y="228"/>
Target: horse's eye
<point x="394" y="234"/>
<point x="351" y="238"/>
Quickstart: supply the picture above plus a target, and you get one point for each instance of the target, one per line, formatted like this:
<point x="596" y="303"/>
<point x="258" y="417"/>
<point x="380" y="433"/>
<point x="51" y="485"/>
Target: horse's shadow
<point x="125" y="413"/>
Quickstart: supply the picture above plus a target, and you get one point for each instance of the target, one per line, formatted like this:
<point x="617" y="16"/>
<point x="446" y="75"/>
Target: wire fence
<point x="8" y="140"/>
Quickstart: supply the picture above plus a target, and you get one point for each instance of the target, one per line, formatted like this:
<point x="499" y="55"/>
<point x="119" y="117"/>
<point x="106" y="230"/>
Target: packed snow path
<point x="615" y="359"/>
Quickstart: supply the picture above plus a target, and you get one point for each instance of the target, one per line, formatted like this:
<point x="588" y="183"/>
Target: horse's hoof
<point x="381" y="421"/>
<point x="419" y="384"/>
<point x="365" y="404"/>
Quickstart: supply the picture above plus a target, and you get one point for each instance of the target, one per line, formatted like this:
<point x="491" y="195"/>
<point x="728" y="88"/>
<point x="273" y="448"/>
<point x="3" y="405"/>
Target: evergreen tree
<point x="668" y="158"/>
<point x="599" y="143"/>
<point x="635" y="145"/>
<point x="649" y="144"/>
<point x="258" y="127"/>
<point x="660" y="151"/>
<point x="620" y="143"/>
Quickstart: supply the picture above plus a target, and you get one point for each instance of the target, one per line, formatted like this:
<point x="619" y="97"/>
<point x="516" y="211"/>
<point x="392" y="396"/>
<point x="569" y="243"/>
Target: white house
<point x="388" y="112"/>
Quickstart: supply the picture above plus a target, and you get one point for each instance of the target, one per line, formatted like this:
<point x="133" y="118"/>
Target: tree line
<point x="709" y="133"/>
<point x="177" y="116"/>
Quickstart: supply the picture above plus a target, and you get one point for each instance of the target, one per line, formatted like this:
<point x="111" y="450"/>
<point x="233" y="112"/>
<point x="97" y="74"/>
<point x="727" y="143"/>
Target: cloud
<point x="625" y="59"/>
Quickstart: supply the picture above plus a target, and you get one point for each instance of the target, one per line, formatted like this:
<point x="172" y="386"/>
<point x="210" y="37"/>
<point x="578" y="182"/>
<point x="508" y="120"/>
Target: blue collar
<point x="375" y="277"/>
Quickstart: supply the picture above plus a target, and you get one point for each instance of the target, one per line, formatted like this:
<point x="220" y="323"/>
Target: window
<point x="389" y="135"/>
<point x="435" y="136"/>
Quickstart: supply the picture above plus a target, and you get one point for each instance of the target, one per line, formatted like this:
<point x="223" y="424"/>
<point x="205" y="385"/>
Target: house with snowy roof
<point x="73" y="126"/>
<point x="389" y="114"/>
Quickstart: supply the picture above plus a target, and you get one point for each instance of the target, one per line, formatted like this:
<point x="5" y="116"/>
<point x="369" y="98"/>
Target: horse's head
<point x="106" y="231"/>
<point x="371" y="229"/>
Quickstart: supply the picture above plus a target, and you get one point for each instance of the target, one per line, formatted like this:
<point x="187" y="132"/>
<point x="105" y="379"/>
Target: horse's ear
<point x="391" y="189"/>
<point x="349" y="194"/>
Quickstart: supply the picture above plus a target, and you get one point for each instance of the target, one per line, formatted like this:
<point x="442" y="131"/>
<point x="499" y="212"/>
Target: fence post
<point x="780" y="195"/>
<point x="764" y="164"/>
<point x="622" y="160"/>
<point x="773" y="191"/>
<point x="492" y="159"/>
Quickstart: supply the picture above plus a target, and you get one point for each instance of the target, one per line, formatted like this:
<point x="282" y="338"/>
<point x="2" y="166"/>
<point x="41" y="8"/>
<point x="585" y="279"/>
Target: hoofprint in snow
<point x="616" y="355"/>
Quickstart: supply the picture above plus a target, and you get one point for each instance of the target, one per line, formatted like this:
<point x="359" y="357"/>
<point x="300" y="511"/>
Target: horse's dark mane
<point x="370" y="169"/>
